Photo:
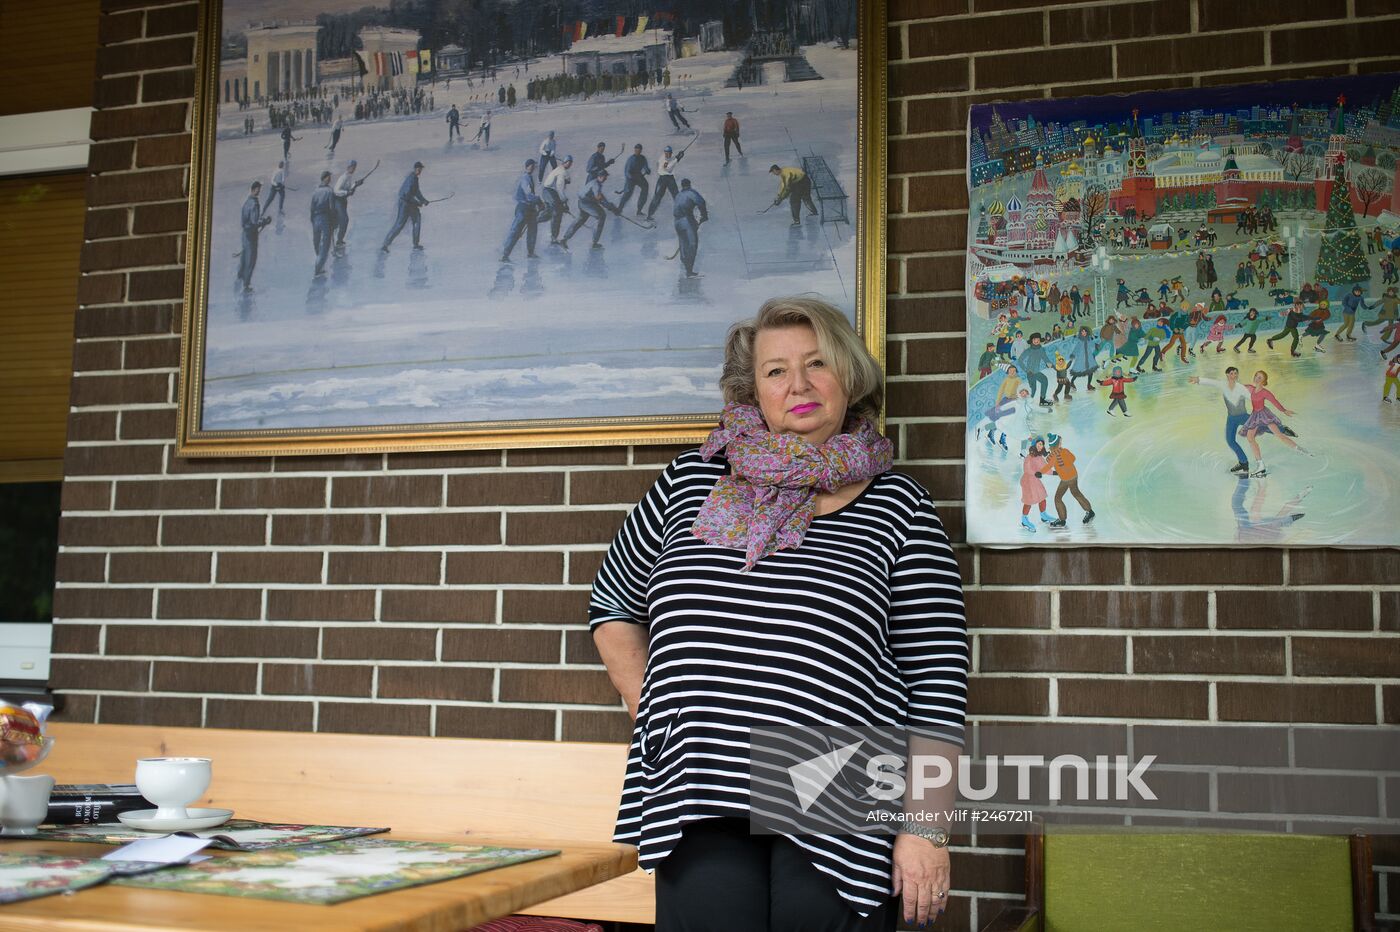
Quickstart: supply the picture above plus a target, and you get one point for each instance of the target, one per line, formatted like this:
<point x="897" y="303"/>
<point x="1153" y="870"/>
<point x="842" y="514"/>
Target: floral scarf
<point x="769" y="500"/>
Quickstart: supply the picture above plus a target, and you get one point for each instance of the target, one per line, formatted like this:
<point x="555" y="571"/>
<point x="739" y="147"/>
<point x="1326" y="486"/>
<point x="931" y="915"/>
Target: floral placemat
<point x="26" y="876"/>
<point x="233" y="835"/>
<point x="335" y="871"/>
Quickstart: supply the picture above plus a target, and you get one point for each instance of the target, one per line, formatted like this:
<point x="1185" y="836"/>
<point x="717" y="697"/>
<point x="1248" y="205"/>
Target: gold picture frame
<point x="209" y="222"/>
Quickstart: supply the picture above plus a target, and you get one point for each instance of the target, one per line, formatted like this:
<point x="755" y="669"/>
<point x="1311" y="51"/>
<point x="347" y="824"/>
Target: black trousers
<point x="722" y="879"/>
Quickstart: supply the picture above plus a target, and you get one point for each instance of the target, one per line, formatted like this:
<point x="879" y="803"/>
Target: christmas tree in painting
<point x="1341" y="259"/>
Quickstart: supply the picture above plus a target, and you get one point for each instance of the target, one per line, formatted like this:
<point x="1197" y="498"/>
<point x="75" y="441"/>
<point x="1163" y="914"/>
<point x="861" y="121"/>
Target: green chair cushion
<point x="1151" y="882"/>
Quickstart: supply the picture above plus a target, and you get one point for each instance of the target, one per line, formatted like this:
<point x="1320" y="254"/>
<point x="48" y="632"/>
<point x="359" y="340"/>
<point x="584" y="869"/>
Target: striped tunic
<point x="861" y="625"/>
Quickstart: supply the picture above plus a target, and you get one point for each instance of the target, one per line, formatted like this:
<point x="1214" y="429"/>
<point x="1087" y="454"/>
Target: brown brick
<point x="86" y="496"/>
<point x="1008" y="695"/>
<point x="126" y="188"/>
<point x="270" y="566"/>
<point x="944" y="481"/>
<point x="584" y="686"/>
<point x="278" y="641"/>
<point x="926" y="234"/>
<point x="659" y="454"/>
<point x="1201" y="567"/>
<point x="924" y="398"/>
<point x="172" y="20"/>
<point x="1201" y="53"/>
<point x="408" y="491"/>
<point x="145" y="56"/>
<point x="568" y="456"/>
<point x="126" y="531"/>
<point x="564" y="527"/>
<point x="1256" y="14"/>
<point x="1085" y="63"/>
<point x="133" y="675"/>
<point x="934" y="273"/>
<point x="991" y="608"/>
<point x="1121" y="21"/>
<point x="1364" y="656"/>
<point x="80" y="567"/>
<point x="519" y="566"/>
<point x="927" y="77"/>
<point x="101" y="602"/>
<point x="1319" y="43"/>
<point x="471" y="684"/>
<point x="207" y="530"/>
<point x="110" y="157"/>
<point x="320" y="604"/>
<point x="605" y="487"/>
<point x="114" y="28"/>
<point x="147" y="424"/>
<point x="191" y="677"/>
<point x="156" y="286"/>
<point x="177" y="464"/>
<point x="447" y="460"/>
<point x="466" y="529"/>
<point x="175" y="566"/>
<point x="519" y="488"/>
<point x="1335" y="69"/>
<point x="1343" y="567"/>
<point x="500" y="645"/>
<point x="130" y="320"/>
<point x="92" y="426"/>
<point x="936" y="440"/>
<point x="545" y="606"/>
<point x="259" y="714"/>
<point x="379" y="643"/>
<point x="115" y="92"/>
<point x="89" y="355"/>
<point x="894" y="187"/>
<point x="976" y="34"/>
<point x="1390" y="611"/>
<point x="273" y="492"/>
<point x="331" y="462"/>
<point x="926" y="154"/>
<point x="374" y="718"/>
<point x="494" y="722"/>
<point x="1213" y="653"/>
<point x="152" y="354"/>
<point x="937" y="192"/>
<point x="924" y="9"/>
<point x="108" y="222"/>
<point x="119" y="390"/>
<point x="1058" y="653"/>
<point x="584" y="566"/>
<point x="166" y="495"/>
<point x="384" y="567"/>
<point x="72" y="707"/>
<point x="1290" y="610"/>
<point x="138" y="121"/>
<point x="105" y="255"/>
<point x="76" y="639"/>
<point x="230" y="604"/>
<point x="935" y="357"/>
<point x="172" y="217"/>
<point x="579" y="647"/>
<point x="1390" y="699"/>
<point x="168" y="711"/>
<point x="1051" y="567"/>
<point x="1293" y="702"/>
<point x="326" y="530"/>
<point x="1134" y="698"/>
<point x="166" y="85"/>
<point x="316" y="679"/>
<point x="584" y="725"/>
<point x="443" y="606"/>
<point x="1129" y="610"/>
<point x="98" y="289"/>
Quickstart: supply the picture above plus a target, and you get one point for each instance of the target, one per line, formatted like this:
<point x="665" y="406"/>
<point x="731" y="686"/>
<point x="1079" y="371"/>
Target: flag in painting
<point x="621" y="26"/>
<point x="425" y="61"/>
<point x="411" y="62"/>
<point x="379" y="64"/>
<point x="582" y="29"/>
<point x="641" y="24"/>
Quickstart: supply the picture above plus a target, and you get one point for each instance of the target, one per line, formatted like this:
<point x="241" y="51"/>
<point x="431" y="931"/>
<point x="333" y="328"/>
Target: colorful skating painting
<point x="1182" y="317"/>
<point x="514" y="213"/>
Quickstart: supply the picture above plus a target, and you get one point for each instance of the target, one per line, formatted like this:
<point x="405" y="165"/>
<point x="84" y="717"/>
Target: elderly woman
<point x="781" y="575"/>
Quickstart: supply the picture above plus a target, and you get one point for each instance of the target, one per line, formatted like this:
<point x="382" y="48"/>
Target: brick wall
<point x="443" y="594"/>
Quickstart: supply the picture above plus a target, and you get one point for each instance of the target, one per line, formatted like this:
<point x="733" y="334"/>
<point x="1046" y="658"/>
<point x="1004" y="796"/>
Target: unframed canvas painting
<point x="433" y="240"/>
<point x="1182" y="317"/>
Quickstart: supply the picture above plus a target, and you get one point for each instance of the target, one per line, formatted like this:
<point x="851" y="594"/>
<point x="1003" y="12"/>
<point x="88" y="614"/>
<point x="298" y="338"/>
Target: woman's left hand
<point x="921" y="878"/>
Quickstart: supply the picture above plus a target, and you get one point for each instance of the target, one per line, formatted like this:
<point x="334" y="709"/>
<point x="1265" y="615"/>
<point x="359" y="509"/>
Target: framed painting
<point x="1182" y="317"/>
<point x="500" y="223"/>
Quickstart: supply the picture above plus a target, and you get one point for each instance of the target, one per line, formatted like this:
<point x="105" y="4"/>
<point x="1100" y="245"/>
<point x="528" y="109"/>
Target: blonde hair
<point x="1264" y="374"/>
<point x="858" y="371"/>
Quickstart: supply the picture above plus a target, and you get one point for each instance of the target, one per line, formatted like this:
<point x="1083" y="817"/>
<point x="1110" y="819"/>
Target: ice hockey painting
<point x="1182" y="317"/>
<point x="505" y="222"/>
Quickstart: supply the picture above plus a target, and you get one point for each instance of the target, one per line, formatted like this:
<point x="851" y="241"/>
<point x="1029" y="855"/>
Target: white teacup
<point x="172" y="783"/>
<point x="24" y="803"/>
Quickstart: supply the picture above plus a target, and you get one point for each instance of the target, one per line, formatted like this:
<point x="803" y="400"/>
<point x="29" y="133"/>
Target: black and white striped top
<point x="861" y="625"/>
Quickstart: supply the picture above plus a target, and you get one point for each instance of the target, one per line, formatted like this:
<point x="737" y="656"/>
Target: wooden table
<point x="436" y="907"/>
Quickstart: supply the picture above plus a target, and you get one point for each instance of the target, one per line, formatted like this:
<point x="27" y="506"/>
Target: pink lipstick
<point x="803" y="409"/>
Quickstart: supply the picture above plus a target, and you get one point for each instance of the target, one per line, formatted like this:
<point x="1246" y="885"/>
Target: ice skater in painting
<point x="1262" y="419"/>
<point x="1061" y="462"/>
<point x="1032" y="489"/>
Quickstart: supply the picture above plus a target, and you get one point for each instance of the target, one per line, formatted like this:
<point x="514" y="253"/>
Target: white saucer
<point x="145" y="820"/>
